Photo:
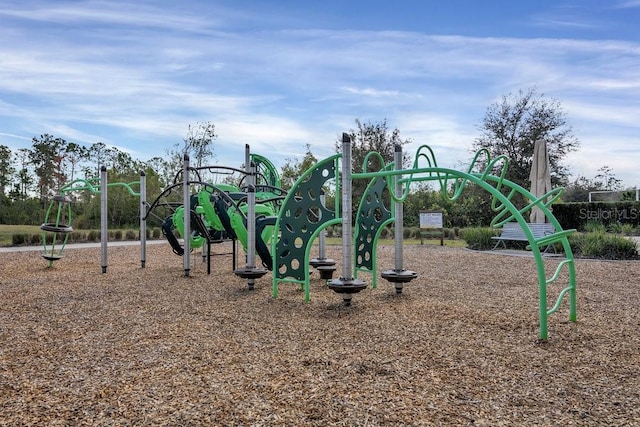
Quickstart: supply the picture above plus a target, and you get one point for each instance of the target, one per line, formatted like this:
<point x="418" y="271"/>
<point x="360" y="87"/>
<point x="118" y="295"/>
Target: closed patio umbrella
<point x="540" y="177"/>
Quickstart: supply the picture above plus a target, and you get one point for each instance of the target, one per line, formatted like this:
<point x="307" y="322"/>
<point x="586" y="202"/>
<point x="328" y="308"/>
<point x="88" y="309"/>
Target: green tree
<point x="47" y="158"/>
<point x="605" y="180"/>
<point x="24" y="178"/>
<point x="75" y="154"/>
<point x="294" y="168"/>
<point x="161" y="168"/>
<point x="6" y="169"/>
<point x="98" y="154"/>
<point x="198" y="145"/>
<point x="366" y="138"/>
<point x="199" y="142"/>
<point x="512" y="125"/>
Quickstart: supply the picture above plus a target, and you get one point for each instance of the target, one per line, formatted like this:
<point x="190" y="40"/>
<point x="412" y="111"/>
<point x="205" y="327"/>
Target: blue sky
<point x="278" y="75"/>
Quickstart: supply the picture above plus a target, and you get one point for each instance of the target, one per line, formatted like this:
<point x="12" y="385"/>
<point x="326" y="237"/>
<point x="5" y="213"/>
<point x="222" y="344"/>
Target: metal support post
<point x="398" y="276"/>
<point x="143" y="222"/>
<point x="346" y="285"/>
<point x="104" y="236"/>
<point x="186" y="203"/>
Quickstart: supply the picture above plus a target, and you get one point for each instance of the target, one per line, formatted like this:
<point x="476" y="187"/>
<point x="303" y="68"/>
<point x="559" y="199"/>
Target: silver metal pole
<point x="398" y="276"/>
<point x="251" y="215"/>
<point x="321" y="237"/>
<point x="347" y="285"/>
<point x="347" y="232"/>
<point x="186" y="203"/>
<point x="250" y="271"/>
<point x="103" y="217"/>
<point x="143" y="222"/>
<point x="251" y="227"/>
<point x="247" y="164"/>
<point x="398" y="225"/>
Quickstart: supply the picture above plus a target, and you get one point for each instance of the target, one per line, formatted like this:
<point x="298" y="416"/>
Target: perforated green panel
<point x="300" y="216"/>
<point x="372" y="213"/>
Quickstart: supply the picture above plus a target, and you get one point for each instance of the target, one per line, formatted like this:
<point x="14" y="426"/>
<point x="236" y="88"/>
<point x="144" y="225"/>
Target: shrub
<point x="35" y="239"/>
<point x="81" y="222"/>
<point x="595" y="227"/>
<point x="576" y="241"/>
<point x="18" y="239"/>
<point x="157" y="233"/>
<point x="620" y="228"/>
<point x="386" y="233"/>
<point x="78" y="236"/>
<point x="451" y="233"/>
<point x="478" y="238"/>
<point x="407" y="232"/>
<point x="93" y="236"/>
<point x="608" y="246"/>
<point x="130" y="235"/>
<point x="328" y="231"/>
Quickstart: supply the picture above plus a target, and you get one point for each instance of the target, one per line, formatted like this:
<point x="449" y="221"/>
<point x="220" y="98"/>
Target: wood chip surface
<point x="151" y="347"/>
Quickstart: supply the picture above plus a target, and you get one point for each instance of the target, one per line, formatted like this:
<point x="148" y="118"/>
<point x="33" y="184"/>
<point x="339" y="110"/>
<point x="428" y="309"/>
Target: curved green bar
<point x="452" y="182"/>
<point x="239" y="225"/>
<point x="195" y="241"/>
<point x="211" y="217"/>
<point x="267" y="169"/>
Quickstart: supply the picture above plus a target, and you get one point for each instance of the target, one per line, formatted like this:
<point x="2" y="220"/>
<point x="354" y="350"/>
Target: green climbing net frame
<point x="57" y="226"/>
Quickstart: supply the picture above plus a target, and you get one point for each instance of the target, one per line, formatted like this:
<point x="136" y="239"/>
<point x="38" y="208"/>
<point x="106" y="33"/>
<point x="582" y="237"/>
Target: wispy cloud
<point x="137" y="74"/>
<point x="628" y="4"/>
<point x="106" y="12"/>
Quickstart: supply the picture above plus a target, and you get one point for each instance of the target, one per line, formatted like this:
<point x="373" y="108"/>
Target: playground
<point x="459" y="346"/>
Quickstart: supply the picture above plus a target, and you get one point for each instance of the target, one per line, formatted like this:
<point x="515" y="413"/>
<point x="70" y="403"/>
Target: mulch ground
<point x="151" y="347"/>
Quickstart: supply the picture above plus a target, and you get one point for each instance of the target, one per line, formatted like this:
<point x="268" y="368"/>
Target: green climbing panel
<point x="372" y="216"/>
<point x="301" y="215"/>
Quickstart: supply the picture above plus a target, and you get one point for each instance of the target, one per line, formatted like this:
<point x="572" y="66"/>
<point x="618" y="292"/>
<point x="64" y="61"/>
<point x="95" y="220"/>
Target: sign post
<point x="431" y="225"/>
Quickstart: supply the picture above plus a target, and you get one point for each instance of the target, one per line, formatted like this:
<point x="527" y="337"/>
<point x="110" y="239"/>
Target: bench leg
<point x="496" y="245"/>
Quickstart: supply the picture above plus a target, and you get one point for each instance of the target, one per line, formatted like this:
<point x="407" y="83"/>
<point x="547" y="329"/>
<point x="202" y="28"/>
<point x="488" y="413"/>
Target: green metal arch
<point x="265" y="168"/>
<point x="502" y="205"/>
<point x="291" y="225"/>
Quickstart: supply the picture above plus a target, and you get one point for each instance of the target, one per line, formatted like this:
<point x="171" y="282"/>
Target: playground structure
<point x="207" y="212"/>
<point x="57" y="224"/>
<point x="303" y="216"/>
<point x="291" y="251"/>
<point x="282" y="227"/>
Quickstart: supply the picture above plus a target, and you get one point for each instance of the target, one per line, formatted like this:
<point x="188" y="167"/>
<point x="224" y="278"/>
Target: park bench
<point x="513" y="231"/>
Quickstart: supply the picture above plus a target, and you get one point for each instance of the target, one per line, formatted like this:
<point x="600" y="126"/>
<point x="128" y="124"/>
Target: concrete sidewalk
<point x="71" y="246"/>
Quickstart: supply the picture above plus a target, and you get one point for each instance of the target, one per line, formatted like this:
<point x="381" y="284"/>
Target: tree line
<point x="30" y="177"/>
<point x="511" y="125"/>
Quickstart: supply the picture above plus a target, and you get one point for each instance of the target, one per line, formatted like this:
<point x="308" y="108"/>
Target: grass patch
<point x="458" y="243"/>
<point x="32" y="235"/>
<point x="7" y="232"/>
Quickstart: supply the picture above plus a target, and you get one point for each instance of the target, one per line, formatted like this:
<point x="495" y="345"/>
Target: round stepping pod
<point x="399" y="277"/>
<point x="346" y="287"/>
